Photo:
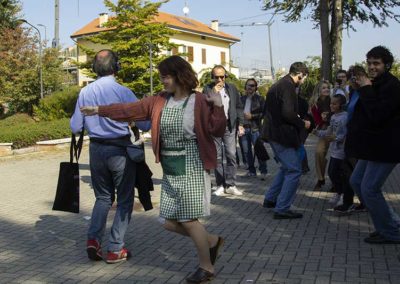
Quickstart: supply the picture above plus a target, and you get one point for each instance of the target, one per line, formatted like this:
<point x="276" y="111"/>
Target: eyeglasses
<point x="219" y="77"/>
<point x="251" y="85"/>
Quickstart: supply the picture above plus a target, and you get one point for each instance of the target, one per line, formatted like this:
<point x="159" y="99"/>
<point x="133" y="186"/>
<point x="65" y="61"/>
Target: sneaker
<point x="250" y="174"/>
<point x="263" y="176"/>
<point x="233" y="190"/>
<point x="340" y="202"/>
<point x="343" y="209"/>
<point x="93" y="250"/>
<point x="335" y="199"/>
<point x="219" y="191"/>
<point x="114" y="257"/>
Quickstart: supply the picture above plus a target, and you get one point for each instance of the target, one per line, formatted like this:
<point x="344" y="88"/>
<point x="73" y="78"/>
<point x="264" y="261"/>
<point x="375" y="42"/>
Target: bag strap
<point x="76" y="147"/>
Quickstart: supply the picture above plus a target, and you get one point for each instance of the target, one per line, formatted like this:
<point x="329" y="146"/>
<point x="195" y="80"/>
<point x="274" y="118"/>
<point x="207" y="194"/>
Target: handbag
<point x="67" y="195"/>
<point x="135" y="152"/>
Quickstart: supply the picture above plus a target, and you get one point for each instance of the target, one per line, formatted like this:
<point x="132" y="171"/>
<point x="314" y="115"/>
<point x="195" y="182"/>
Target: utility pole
<point x="56" y="39"/>
<point x="268" y="24"/>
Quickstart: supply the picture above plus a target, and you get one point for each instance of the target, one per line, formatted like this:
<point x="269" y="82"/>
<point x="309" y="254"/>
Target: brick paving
<point x="38" y="245"/>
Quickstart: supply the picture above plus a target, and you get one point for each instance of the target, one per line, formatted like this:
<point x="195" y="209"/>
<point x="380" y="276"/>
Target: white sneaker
<point x="340" y="202"/>
<point x="219" y="191"/>
<point x="335" y="199"/>
<point x="233" y="190"/>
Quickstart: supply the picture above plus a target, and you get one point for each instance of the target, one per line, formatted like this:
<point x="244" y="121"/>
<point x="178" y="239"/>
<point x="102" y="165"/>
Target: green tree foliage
<point x="54" y="77"/>
<point x="313" y="64"/>
<point x="342" y="14"/>
<point x="9" y="10"/>
<point x="134" y="30"/>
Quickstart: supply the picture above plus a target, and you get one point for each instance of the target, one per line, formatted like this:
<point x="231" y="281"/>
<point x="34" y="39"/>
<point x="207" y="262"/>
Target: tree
<point x="9" y="10"/>
<point x="133" y="33"/>
<point x="332" y="16"/>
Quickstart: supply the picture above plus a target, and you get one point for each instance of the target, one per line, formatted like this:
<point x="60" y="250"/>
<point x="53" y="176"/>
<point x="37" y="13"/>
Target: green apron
<point x="183" y="182"/>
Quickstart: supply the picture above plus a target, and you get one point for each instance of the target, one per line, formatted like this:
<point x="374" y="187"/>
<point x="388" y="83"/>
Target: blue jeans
<point x="367" y="180"/>
<point x="284" y="186"/>
<point x="248" y="140"/>
<point x="111" y="170"/>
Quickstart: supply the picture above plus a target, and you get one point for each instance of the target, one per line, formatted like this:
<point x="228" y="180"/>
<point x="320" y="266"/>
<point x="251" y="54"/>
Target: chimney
<point x="103" y="18"/>
<point x="215" y="25"/>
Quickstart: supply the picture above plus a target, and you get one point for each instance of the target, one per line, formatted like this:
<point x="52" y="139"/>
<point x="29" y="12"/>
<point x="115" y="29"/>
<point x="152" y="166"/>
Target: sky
<point x="290" y="41"/>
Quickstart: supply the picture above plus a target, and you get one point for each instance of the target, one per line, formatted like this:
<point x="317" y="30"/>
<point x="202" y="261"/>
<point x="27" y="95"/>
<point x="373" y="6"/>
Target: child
<point x="336" y="134"/>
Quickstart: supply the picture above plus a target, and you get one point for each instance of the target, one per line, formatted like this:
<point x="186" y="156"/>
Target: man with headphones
<point x="226" y="177"/>
<point x="253" y="112"/>
<point x="373" y="138"/>
<point x="283" y="128"/>
<point x="110" y="168"/>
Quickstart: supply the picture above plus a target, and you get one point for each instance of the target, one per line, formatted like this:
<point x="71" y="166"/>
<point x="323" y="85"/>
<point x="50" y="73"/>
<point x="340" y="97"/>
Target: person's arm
<point x="258" y="114"/>
<point x="76" y="122"/>
<point x="217" y="119"/>
<point x="289" y="100"/>
<point x="382" y="107"/>
<point x="127" y="96"/>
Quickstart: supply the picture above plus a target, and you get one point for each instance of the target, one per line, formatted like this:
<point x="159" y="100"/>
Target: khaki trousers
<point x="320" y="158"/>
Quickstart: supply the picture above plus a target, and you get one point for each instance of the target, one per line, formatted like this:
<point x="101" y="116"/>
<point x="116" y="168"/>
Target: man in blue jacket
<point x="110" y="168"/>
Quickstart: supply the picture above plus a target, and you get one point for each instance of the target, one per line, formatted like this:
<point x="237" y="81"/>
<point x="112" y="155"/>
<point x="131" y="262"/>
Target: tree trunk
<point x="326" y="62"/>
<point x="337" y="15"/>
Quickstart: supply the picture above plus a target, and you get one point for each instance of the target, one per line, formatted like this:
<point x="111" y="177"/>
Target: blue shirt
<point x="103" y="91"/>
<point x="352" y="104"/>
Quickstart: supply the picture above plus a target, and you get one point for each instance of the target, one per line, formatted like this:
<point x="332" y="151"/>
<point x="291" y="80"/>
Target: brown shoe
<point x="214" y="251"/>
<point x="200" y="276"/>
<point x="319" y="184"/>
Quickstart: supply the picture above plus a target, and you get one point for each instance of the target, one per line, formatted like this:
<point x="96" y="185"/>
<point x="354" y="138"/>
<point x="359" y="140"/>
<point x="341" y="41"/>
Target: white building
<point x="205" y="46"/>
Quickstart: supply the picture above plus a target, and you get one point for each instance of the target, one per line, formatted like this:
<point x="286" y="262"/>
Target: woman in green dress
<point x="183" y="125"/>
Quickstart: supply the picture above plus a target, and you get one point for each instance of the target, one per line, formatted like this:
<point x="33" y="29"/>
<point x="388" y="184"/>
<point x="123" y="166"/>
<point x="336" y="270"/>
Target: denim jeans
<point x="284" y="186"/>
<point x="111" y="170"/>
<point x="248" y="140"/>
<point x="367" y="180"/>
<point x="226" y="176"/>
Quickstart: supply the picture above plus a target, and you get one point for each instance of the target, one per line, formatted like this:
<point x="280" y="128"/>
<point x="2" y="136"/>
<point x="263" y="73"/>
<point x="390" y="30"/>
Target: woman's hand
<point x="90" y="110"/>
<point x="362" y="80"/>
<point x="215" y="99"/>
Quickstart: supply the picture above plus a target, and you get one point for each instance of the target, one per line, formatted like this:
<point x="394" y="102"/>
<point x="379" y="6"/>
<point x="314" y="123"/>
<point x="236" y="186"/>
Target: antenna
<point x="185" y="9"/>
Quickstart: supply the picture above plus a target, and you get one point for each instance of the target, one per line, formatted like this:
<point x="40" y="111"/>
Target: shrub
<point x="24" y="134"/>
<point x="59" y="105"/>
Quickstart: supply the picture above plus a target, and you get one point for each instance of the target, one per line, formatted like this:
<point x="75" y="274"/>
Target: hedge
<point x="23" y="131"/>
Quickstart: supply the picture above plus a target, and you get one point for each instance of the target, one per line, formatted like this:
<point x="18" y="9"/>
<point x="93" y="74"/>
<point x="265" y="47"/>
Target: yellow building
<point x="204" y="45"/>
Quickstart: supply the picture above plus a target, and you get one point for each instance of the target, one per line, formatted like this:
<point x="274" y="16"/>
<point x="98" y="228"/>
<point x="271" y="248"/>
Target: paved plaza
<point x="38" y="245"/>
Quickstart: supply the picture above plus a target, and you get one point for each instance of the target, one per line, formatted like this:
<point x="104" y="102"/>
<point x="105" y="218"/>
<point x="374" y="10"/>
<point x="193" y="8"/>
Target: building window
<point x="203" y="37"/>
<point x="190" y="53"/>
<point x="223" y="58"/>
<point x="174" y="51"/>
<point x="203" y="56"/>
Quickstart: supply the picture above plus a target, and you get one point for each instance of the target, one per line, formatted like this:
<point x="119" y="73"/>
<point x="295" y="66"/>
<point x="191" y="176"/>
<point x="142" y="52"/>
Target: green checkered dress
<point x="183" y="183"/>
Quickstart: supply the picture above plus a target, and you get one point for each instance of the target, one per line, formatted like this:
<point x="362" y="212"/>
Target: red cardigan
<point x="209" y="121"/>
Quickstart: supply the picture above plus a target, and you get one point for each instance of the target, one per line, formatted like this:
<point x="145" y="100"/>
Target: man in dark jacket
<point x="373" y="137"/>
<point x="283" y="128"/>
<point x="253" y="111"/>
<point x="226" y="179"/>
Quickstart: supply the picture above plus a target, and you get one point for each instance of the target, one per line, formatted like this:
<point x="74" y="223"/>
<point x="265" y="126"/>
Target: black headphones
<point x="218" y="67"/>
<point x="115" y="65"/>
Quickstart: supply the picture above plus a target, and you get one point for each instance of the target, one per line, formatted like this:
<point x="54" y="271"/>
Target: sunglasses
<point x="251" y="85"/>
<point x="219" y="77"/>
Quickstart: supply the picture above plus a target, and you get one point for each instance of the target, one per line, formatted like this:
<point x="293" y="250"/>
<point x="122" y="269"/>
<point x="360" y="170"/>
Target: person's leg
<point x="356" y="178"/>
<point x="219" y="171"/>
<point x="229" y="140"/>
<point x="290" y="160"/>
<point x="374" y="177"/>
<point x="320" y="159"/>
<point x="199" y="236"/>
<point x="262" y="165"/>
<point x="247" y="150"/>
<point x="348" y="193"/>
<point x="335" y="174"/>
<point x="103" y="187"/>
<point x="176" y="227"/>
<point x="124" y="174"/>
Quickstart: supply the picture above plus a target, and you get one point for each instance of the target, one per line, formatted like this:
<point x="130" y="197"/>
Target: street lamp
<point x="40" y="54"/>
<point x="45" y="33"/>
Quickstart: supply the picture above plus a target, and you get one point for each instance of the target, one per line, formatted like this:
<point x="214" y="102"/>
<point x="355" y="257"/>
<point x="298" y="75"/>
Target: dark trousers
<point x="336" y="174"/>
